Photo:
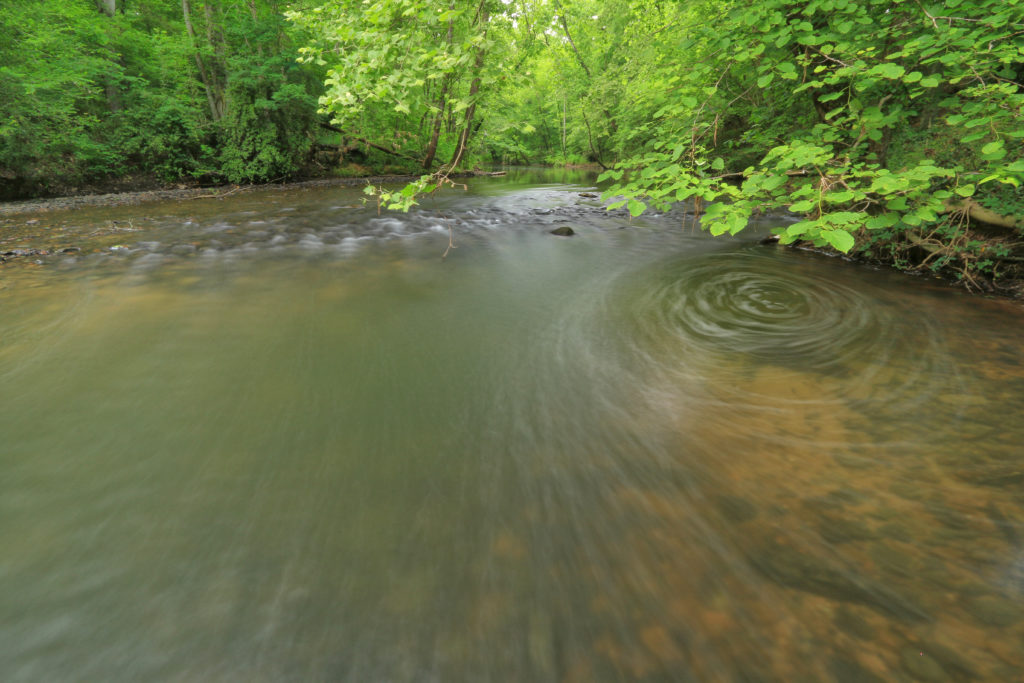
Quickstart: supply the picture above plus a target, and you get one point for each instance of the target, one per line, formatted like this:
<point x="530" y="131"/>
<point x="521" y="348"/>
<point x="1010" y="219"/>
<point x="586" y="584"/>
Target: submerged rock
<point x="789" y="567"/>
<point x="735" y="509"/>
<point x="996" y="476"/>
<point x="836" y="529"/>
<point x="993" y="611"/>
<point x="564" y="231"/>
<point x="849" y="671"/>
<point x="921" y="666"/>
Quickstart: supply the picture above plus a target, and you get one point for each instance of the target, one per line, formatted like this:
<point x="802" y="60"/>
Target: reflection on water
<point x="278" y="438"/>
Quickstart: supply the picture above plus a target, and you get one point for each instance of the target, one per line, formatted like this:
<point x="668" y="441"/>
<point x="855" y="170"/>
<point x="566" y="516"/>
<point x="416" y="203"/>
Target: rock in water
<point x="564" y="231"/>
<point x="792" y="568"/>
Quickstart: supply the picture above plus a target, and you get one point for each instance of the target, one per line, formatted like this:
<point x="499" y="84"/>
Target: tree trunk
<point x="110" y="87"/>
<point x="563" y="128"/>
<point x="216" y="103"/>
<point x="442" y="101"/>
<point x="575" y="50"/>
<point x="435" y="132"/>
<point x="474" y="88"/>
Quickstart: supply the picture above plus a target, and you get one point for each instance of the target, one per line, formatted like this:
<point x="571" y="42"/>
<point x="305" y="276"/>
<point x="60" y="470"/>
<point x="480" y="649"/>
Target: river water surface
<point x="276" y="437"/>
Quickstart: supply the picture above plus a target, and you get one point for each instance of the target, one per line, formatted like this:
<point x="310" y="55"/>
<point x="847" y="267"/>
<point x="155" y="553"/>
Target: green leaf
<point x="610" y="173"/>
<point x="887" y="70"/>
<point x="992" y="147"/>
<point x="802" y="206"/>
<point x="765" y="80"/>
<point x="883" y="220"/>
<point x="636" y="207"/>
<point x="840" y="239"/>
<point x="965" y="190"/>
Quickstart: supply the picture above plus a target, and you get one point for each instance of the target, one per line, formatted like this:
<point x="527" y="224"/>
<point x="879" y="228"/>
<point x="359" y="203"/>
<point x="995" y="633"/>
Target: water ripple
<point x="744" y="303"/>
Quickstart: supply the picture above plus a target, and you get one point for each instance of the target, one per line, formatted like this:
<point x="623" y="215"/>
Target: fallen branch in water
<point x="238" y="188"/>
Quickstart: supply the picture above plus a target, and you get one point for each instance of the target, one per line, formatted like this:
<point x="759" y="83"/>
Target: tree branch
<point x="370" y="144"/>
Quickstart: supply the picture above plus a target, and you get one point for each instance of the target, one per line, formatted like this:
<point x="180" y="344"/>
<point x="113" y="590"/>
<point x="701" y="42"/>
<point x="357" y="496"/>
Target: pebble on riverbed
<point x="564" y="231"/>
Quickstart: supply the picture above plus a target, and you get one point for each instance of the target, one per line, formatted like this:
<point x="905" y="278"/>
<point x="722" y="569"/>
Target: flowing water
<point x="275" y="437"/>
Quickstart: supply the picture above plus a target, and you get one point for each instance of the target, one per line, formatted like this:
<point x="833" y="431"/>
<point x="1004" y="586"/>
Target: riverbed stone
<point x="921" y="665"/>
<point x="949" y="517"/>
<point x="853" y="462"/>
<point x="936" y="572"/>
<point x="908" y="490"/>
<point x="963" y="399"/>
<point x="950" y="659"/>
<point x="802" y="571"/>
<point x="849" y="621"/>
<point x="843" y="529"/>
<point x="151" y="260"/>
<point x="849" y="671"/>
<point x="994" y="611"/>
<point x="564" y="231"/>
<point x="735" y="509"/>
<point x="895" y="531"/>
<point x="996" y="476"/>
<point x="1006" y="527"/>
<point x="891" y="559"/>
<point x="846" y="496"/>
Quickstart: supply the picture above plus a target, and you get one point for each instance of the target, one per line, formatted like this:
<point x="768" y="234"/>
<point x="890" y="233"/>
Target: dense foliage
<point x="887" y="125"/>
<point x="893" y="128"/>
<point x="175" y="90"/>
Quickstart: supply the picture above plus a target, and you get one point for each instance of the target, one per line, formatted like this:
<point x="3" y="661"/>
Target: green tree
<point x="862" y="115"/>
<point x="404" y="75"/>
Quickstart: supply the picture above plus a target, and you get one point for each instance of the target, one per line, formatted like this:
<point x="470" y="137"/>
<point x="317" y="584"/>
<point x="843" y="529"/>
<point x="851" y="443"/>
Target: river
<point x="276" y="437"/>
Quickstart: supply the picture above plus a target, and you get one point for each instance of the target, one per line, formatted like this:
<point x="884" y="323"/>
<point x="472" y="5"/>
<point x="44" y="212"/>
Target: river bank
<point x="908" y="257"/>
<point x="1010" y="284"/>
<point x="179" y="192"/>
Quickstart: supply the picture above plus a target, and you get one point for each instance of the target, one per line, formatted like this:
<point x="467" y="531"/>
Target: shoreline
<point x="130" y="198"/>
<point x="1011" y="289"/>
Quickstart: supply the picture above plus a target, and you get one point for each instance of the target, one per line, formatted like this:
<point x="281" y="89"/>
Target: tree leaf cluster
<point x="207" y="90"/>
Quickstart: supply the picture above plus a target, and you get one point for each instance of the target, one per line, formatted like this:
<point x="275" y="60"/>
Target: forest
<point x="893" y="130"/>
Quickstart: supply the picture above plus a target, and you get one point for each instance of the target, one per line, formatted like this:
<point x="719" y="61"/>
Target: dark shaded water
<point x="276" y="437"/>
